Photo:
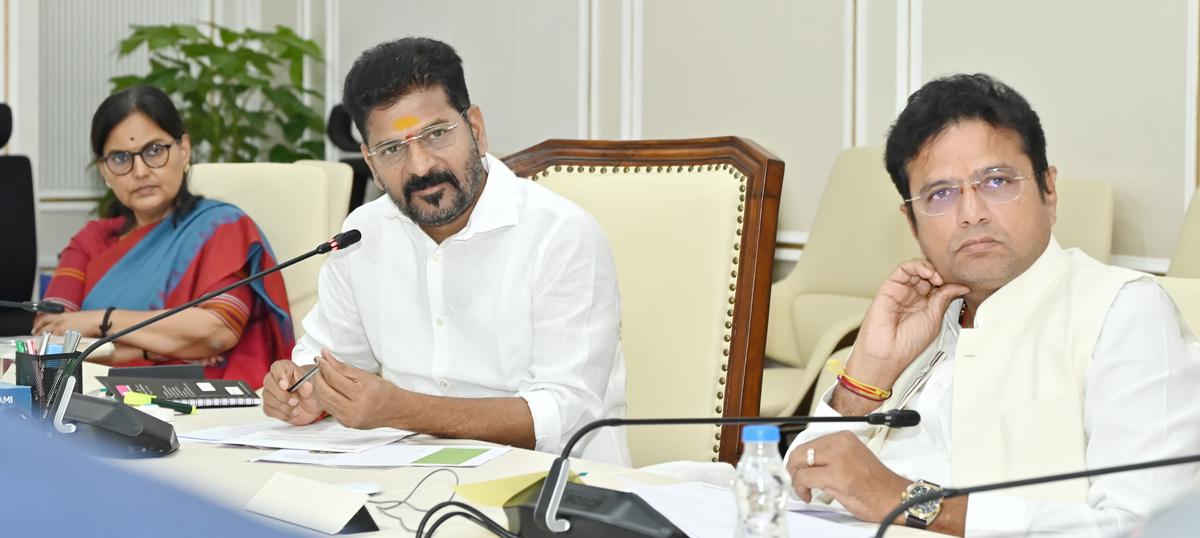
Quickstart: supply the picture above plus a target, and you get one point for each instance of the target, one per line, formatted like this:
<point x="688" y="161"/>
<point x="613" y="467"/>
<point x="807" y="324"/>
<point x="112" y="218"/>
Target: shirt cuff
<point x="996" y="514"/>
<point x="547" y="422"/>
<point x="819" y="429"/>
<point x="302" y="355"/>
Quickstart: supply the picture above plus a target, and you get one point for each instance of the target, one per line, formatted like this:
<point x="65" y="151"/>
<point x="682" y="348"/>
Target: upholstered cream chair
<point x="858" y="237"/>
<point x="692" y="228"/>
<point x="339" y="179"/>
<point x="1186" y="294"/>
<point x="291" y="205"/>
<point x="1185" y="262"/>
<point x="1085" y="216"/>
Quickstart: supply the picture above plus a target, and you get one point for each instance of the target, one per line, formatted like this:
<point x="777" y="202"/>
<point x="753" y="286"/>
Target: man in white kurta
<point x="477" y="304"/>
<point x="1023" y="359"/>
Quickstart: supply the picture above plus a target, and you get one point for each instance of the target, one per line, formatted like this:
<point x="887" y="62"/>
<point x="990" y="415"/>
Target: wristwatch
<point x="922" y="514"/>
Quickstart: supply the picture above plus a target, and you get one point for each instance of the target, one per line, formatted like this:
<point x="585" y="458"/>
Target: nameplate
<point x="314" y="505"/>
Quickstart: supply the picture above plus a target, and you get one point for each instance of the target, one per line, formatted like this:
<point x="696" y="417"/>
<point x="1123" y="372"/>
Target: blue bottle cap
<point x="760" y="433"/>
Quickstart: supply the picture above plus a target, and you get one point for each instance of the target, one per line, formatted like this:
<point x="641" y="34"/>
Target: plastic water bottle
<point x="761" y="487"/>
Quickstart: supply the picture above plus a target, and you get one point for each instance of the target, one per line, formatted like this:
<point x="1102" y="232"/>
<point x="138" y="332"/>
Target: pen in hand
<point x="308" y="375"/>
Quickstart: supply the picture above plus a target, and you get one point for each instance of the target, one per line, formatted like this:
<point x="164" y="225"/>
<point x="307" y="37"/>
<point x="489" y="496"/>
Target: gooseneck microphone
<point x="339" y="241"/>
<point x="45" y="307"/>
<point x="958" y="492"/>
<point x="593" y="511"/>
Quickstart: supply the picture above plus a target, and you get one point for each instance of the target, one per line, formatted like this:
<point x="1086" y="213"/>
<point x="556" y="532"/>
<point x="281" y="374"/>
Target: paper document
<point x="325" y="436"/>
<point x="702" y="510"/>
<point x="393" y="456"/>
<point x="827" y="512"/>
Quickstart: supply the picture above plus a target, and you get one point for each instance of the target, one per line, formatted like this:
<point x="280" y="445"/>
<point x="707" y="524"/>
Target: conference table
<point x="224" y="474"/>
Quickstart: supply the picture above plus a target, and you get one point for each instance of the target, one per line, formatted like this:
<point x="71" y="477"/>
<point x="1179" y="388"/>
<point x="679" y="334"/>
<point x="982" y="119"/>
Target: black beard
<point x="437" y="177"/>
<point x="449" y="203"/>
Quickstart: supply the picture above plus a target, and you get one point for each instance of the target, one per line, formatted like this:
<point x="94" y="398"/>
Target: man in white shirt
<point x="1023" y="358"/>
<point x="477" y="305"/>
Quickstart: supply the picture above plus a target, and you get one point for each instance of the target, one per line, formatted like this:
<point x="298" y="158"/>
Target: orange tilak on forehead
<point x="404" y="123"/>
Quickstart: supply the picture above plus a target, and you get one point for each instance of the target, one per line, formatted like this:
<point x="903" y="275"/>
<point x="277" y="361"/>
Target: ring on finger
<point x="810" y="457"/>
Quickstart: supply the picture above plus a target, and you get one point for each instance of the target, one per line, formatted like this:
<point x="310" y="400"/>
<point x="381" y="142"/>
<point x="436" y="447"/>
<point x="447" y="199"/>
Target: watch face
<point x="927" y="509"/>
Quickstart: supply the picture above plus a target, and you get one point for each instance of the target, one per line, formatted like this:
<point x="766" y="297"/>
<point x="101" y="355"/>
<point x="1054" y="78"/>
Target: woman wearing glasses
<point x="161" y="246"/>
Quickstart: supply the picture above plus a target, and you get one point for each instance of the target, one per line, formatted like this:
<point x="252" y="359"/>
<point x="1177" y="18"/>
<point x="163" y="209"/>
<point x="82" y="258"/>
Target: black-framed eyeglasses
<point x="155" y="155"/>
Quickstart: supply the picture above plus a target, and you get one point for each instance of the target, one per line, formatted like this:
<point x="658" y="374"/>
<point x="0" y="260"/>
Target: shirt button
<point x="443" y="383"/>
<point x="440" y="321"/>
<point x="435" y="257"/>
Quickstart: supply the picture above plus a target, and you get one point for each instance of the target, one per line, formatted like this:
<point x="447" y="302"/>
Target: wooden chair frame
<point x="754" y="261"/>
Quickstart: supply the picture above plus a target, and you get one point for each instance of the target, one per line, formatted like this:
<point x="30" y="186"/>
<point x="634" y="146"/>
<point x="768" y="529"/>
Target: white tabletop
<point x="224" y="474"/>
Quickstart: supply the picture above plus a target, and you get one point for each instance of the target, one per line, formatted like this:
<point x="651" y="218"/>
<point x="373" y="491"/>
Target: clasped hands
<point x="354" y="397"/>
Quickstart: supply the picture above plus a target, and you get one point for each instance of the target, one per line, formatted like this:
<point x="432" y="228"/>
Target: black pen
<point x="301" y="381"/>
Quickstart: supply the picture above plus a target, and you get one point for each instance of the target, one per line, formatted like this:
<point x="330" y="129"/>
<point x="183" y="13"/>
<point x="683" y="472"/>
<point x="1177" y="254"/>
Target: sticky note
<point x="451" y="456"/>
<point x="136" y="398"/>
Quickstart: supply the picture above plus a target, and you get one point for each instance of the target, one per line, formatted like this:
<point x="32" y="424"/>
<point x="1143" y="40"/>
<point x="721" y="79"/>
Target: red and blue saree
<point x="175" y="261"/>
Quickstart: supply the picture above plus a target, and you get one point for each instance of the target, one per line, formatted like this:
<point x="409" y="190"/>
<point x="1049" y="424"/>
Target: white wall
<point x="1114" y="82"/>
<point x="506" y="46"/>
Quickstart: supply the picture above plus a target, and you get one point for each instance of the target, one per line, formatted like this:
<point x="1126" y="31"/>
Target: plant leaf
<point x="132" y="42"/>
<point x="122" y="82"/>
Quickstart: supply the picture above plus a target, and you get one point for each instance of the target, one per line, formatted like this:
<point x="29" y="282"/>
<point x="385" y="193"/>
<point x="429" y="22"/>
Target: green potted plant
<point x="239" y="92"/>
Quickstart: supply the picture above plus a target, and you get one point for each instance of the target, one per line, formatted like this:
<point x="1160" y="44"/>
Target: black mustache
<point x="426" y="181"/>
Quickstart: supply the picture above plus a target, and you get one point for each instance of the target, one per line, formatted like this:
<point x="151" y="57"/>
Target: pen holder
<point x="27" y="374"/>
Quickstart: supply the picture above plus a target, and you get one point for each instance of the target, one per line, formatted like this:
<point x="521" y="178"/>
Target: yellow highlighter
<point x="138" y="398"/>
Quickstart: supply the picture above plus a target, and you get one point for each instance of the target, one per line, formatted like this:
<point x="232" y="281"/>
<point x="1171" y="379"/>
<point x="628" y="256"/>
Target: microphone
<point x="339" y="241"/>
<point x="59" y="396"/>
<point x="46" y="307"/>
<point x="594" y="511"/>
<point x="947" y="493"/>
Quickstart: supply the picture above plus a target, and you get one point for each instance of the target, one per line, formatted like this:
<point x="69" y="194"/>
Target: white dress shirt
<point x="1140" y="404"/>
<point x="522" y="302"/>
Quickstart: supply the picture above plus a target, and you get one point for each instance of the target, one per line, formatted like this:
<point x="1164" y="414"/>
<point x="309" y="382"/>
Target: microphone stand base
<point x="114" y="429"/>
<point x="592" y="511"/>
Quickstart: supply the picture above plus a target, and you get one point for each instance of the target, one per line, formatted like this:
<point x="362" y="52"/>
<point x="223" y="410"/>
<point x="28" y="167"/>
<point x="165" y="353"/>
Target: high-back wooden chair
<point x="692" y="228"/>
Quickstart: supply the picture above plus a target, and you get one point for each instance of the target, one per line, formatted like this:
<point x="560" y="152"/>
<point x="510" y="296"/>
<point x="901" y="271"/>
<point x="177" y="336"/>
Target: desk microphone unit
<point x="556" y="508"/>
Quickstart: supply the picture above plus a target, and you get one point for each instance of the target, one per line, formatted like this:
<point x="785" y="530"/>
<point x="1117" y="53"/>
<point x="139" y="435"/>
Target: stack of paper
<point x="393" y="456"/>
<point x="325" y="436"/>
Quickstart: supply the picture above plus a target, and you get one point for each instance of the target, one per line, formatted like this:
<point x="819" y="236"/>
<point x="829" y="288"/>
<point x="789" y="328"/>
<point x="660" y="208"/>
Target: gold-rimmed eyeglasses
<point x="997" y="185"/>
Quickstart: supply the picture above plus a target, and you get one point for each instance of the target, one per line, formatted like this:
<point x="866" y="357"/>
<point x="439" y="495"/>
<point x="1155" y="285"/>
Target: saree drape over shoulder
<point x="172" y="262"/>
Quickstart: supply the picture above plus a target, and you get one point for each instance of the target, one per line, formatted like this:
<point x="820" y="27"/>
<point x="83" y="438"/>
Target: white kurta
<point x="1139" y="404"/>
<point x="522" y="301"/>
